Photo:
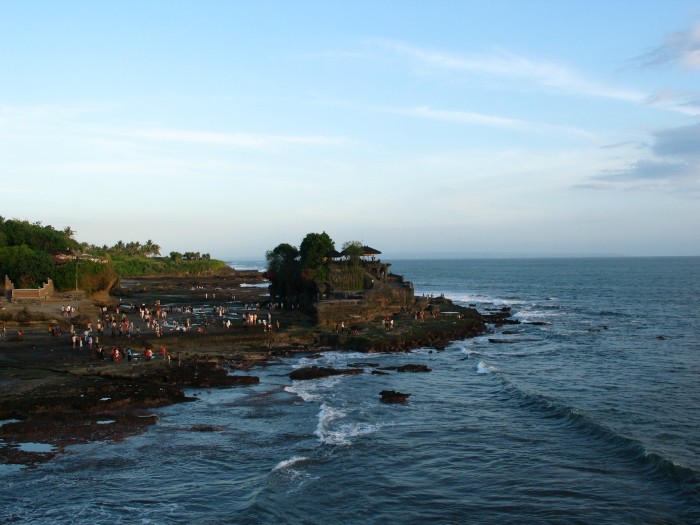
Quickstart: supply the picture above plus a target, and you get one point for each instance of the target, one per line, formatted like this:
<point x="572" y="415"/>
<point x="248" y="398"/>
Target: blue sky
<point x="421" y="128"/>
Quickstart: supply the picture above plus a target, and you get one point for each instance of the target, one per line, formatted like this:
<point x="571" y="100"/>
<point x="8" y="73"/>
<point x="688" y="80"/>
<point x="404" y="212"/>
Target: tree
<point x="314" y="248"/>
<point x="150" y="249"/>
<point x="281" y="259"/>
<point x="34" y="235"/>
<point x="68" y="232"/>
<point x="26" y="267"/>
<point x="353" y="250"/>
<point x="283" y="270"/>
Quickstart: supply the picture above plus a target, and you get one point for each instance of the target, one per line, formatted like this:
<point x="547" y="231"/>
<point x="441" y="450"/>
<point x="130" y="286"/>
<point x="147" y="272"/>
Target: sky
<point x="420" y="128"/>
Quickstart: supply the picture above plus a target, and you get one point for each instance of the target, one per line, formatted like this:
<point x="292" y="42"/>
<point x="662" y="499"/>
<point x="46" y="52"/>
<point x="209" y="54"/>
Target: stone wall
<point x="28" y="294"/>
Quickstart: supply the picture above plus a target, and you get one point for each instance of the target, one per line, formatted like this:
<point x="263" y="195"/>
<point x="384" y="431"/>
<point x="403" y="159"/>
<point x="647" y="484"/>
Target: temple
<point x="359" y="288"/>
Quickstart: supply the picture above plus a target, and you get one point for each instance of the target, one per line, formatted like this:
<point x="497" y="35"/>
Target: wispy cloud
<point x="509" y="65"/>
<point x="244" y="140"/>
<point x="482" y="119"/>
<point x="687" y="103"/>
<point x="681" y="48"/>
<point x="42" y="120"/>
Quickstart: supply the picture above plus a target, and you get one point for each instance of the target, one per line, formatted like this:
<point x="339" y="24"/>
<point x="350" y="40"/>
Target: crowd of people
<point x="128" y="322"/>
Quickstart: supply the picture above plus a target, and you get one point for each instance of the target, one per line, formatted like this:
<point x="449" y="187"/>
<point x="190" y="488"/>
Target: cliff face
<point x="365" y="306"/>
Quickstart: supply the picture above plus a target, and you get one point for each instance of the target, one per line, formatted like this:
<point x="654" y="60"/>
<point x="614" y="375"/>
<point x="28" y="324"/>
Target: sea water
<point x="588" y="411"/>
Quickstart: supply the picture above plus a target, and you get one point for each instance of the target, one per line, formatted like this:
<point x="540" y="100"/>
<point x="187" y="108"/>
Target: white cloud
<point x="244" y="140"/>
<point x="509" y="65"/>
<point x="40" y="120"/>
<point x="482" y="119"/>
<point x="686" y="103"/>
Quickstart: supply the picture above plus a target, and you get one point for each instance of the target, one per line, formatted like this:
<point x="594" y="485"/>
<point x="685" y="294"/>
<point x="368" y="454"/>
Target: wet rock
<point x="203" y="428"/>
<point x="408" y="368"/>
<point x="243" y="380"/>
<point x="392" y="396"/>
<point x="317" y="372"/>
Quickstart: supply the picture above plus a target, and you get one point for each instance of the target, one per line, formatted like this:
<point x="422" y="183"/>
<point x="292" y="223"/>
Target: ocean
<point x="588" y="411"/>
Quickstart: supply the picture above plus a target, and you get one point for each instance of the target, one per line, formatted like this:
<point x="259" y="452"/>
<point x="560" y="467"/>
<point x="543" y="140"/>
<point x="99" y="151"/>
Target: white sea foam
<point x="483" y="300"/>
<point x="342" y="434"/>
<point x="533" y="315"/>
<point x="469" y="351"/>
<point x="264" y="284"/>
<point x="483" y="368"/>
<point x="345" y="434"/>
<point x="334" y="357"/>
<point x="259" y="266"/>
<point x="304" y="389"/>
<point x="289" y="462"/>
<point x="326" y="415"/>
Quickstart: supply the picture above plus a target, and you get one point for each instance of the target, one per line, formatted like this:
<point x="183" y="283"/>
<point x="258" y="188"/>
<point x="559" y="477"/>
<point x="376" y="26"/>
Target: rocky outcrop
<point x="408" y="368"/>
<point x="365" y="306"/>
<point x="317" y="372"/>
<point x="499" y="318"/>
<point x="392" y="396"/>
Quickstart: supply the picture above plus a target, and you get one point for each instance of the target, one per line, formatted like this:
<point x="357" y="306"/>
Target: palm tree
<point x="68" y="232"/>
<point x="150" y="249"/>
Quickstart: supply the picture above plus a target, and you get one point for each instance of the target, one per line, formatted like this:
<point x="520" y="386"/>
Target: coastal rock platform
<point x="54" y="394"/>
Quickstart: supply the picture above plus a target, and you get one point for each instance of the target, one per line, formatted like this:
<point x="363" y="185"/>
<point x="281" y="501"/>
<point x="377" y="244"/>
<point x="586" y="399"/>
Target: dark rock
<point x="379" y="373"/>
<point x="408" y="368"/>
<point x="499" y="319"/>
<point x="243" y="380"/>
<point x="203" y="428"/>
<point x="391" y="396"/>
<point x="317" y="372"/>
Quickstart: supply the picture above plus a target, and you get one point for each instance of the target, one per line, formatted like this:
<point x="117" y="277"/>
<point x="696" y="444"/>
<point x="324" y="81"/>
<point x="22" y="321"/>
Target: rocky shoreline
<point x="58" y="396"/>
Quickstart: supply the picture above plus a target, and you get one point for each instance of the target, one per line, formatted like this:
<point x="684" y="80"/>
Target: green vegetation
<point x="293" y="273"/>
<point x="353" y="250"/>
<point x="136" y="265"/>
<point x="348" y="277"/>
<point x="314" y="249"/>
<point x="296" y="274"/>
<point x="26" y="251"/>
<point x="149" y="249"/>
<point x="31" y="253"/>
